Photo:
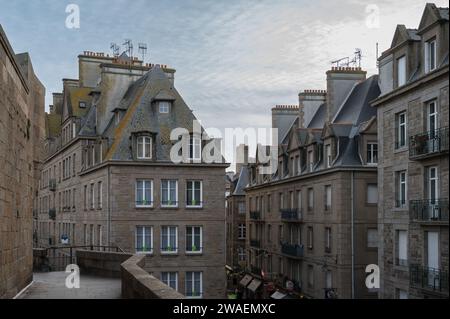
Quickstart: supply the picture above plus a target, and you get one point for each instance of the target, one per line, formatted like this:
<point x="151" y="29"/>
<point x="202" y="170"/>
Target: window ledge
<point x="167" y="253"/>
<point x="147" y="253"/>
<point x="144" y="207"/>
<point x="401" y="149"/>
<point x="194" y="253"/>
<point x="169" y="207"/>
<point x="194" y="207"/>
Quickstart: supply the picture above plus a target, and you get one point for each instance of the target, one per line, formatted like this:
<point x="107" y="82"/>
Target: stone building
<point x="413" y="134"/>
<point x="109" y="178"/>
<point x="312" y="226"/>
<point x="22" y="109"/>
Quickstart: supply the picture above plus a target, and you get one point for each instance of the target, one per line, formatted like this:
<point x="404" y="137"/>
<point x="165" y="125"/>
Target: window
<point x="170" y="279"/>
<point x="372" y="193"/>
<point x="74" y="198"/>
<point x="310" y="276"/>
<point x="402" y="294"/>
<point x="310" y="199"/>
<point x="164" y="107"/>
<point x="310" y="237"/>
<point x="328" y="197"/>
<point x="402" y="248"/>
<point x="401" y="71"/>
<point x="241" y="208"/>
<point x="194" y="194"/>
<point x="241" y="254"/>
<point x="269" y="203"/>
<point x="169" y="239"/>
<point x="328" y="279"/>
<point x="92" y="196"/>
<point x="311" y="160"/>
<point x="281" y="197"/>
<point x="195" y="148"/>
<point x="372" y="153"/>
<point x="144" y="193"/>
<point x="328" y="240"/>
<point x="144" y="147"/>
<point x="401" y="129"/>
<point x="99" y="195"/>
<point x="372" y="238"/>
<point x="169" y="191"/>
<point x="194" y="240"/>
<point x="430" y="55"/>
<point x="433" y="184"/>
<point x="328" y="155"/>
<point x="85" y="197"/>
<point x="299" y="200"/>
<point x="242" y="231"/>
<point x="144" y="239"/>
<point x="194" y="284"/>
<point x="402" y="189"/>
<point x="269" y="233"/>
<point x="82" y="105"/>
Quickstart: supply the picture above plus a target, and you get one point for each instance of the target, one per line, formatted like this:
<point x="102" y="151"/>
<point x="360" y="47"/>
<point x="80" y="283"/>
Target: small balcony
<point x="429" y="210"/>
<point x="428" y="144"/>
<point x="52" y="213"/>
<point x="429" y="278"/>
<point x="255" y="215"/>
<point x="254" y="243"/>
<point x="291" y="215"/>
<point x="292" y="250"/>
<point x="52" y="185"/>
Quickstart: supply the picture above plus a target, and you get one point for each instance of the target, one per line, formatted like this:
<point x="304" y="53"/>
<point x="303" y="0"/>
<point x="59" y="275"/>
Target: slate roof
<point x="242" y="181"/>
<point x="318" y="119"/>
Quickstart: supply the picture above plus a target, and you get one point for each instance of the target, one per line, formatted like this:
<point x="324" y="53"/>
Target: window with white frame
<point x="401" y="129"/>
<point x="372" y="153"/>
<point x="401" y="71"/>
<point x="144" y="147"/>
<point x="194" y="284"/>
<point x="242" y="231"/>
<point x="372" y="194"/>
<point x="328" y="155"/>
<point x="328" y="239"/>
<point x="194" y="194"/>
<point x="169" y="193"/>
<point x="144" y="239"/>
<point x="170" y="279"/>
<point x="328" y="197"/>
<point x="311" y="160"/>
<point x="99" y="195"/>
<point x="430" y="55"/>
<point x="169" y="239"/>
<point x="402" y="248"/>
<point x="241" y="254"/>
<point x="372" y="238"/>
<point x="144" y="193"/>
<point x="310" y="238"/>
<point x="433" y="124"/>
<point x="241" y="208"/>
<point x="164" y="107"/>
<point x="194" y="239"/>
<point x="195" y="148"/>
<point x="92" y="196"/>
<point x="402" y="189"/>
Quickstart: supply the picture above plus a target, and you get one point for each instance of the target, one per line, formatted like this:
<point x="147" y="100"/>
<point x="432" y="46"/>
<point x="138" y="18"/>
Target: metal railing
<point x="429" y="278"/>
<point x="292" y="250"/>
<point x="429" y="209"/>
<point x="291" y="215"/>
<point x="428" y="143"/>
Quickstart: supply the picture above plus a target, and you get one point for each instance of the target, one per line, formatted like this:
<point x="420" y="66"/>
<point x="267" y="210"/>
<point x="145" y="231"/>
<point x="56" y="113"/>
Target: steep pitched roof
<point x="318" y="119"/>
<point x="242" y="181"/>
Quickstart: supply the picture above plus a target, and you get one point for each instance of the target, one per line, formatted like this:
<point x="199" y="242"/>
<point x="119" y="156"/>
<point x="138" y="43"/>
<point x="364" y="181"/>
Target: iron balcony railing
<point x="52" y="213"/>
<point x="427" y="143"/>
<point x="255" y="215"/>
<point x="435" y="210"/>
<point x="429" y="278"/>
<point x="255" y="243"/>
<point x="291" y="215"/>
<point x="292" y="250"/>
<point x="52" y="184"/>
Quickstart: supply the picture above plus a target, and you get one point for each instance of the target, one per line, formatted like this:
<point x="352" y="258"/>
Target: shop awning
<point x="278" y="295"/>
<point x="246" y="280"/>
<point x="254" y="285"/>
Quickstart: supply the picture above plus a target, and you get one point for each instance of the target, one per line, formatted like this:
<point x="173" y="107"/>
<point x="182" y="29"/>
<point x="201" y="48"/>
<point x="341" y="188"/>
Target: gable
<point x="430" y="16"/>
<point x="400" y="35"/>
<point x="293" y="139"/>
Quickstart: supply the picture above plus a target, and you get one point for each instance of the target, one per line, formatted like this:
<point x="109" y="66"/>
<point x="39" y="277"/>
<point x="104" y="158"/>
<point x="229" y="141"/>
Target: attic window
<point x="82" y="105"/>
<point x="164" y="107"/>
<point x="144" y="147"/>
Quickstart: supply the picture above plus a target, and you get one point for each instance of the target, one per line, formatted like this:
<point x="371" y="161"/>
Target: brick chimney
<point x="282" y="117"/>
<point x="309" y="103"/>
<point x="241" y="157"/>
<point x="340" y="81"/>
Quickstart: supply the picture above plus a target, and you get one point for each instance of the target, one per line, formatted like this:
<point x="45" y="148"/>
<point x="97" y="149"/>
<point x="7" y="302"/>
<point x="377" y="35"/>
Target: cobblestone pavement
<point x="52" y="286"/>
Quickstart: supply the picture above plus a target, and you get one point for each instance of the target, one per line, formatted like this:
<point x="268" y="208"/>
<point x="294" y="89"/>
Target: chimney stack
<point x="241" y="157"/>
<point x="309" y="103"/>
<point x="340" y="81"/>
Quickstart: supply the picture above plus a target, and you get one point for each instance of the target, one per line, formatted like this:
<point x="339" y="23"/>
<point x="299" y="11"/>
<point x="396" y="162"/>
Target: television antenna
<point x="356" y="61"/>
<point x="115" y="50"/>
<point x="143" y="50"/>
<point x="129" y="45"/>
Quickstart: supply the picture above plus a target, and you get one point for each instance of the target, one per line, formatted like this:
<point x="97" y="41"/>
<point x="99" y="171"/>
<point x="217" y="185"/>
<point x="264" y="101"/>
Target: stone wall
<point x="103" y="264"/>
<point x="138" y="284"/>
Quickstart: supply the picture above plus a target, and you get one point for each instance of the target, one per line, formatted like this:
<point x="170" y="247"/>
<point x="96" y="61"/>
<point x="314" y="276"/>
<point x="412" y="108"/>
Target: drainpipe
<point x="353" y="231"/>
<point x="109" y="205"/>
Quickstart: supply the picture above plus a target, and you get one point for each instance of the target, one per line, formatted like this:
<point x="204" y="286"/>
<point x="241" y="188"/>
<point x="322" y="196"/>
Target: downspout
<point x="109" y="205"/>
<point x="352" y="231"/>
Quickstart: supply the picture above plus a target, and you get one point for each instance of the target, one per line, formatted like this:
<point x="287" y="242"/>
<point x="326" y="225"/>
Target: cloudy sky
<point x="235" y="59"/>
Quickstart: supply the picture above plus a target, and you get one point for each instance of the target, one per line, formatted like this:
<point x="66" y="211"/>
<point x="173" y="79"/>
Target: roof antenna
<point x="143" y="50"/>
<point x="129" y="45"/>
<point x="115" y="50"/>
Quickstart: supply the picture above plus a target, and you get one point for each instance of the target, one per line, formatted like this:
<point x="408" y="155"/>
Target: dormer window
<point x="195" y="148"/>
<point x="401" y="71"/>
<point x="164" y="107"/>
<point x="82" y="105"/>
<point x="144" y="147"/>
<point x="430" y="55"/>
<point x="311" y="160"/>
